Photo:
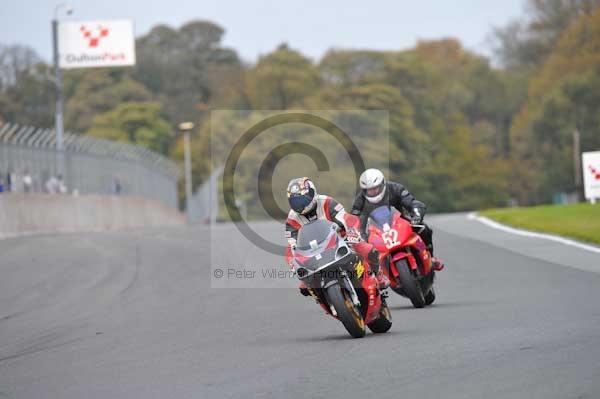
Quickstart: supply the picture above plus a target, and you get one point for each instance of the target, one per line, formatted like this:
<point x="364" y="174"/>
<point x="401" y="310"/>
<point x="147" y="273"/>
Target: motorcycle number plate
<point x="390" y="238"/>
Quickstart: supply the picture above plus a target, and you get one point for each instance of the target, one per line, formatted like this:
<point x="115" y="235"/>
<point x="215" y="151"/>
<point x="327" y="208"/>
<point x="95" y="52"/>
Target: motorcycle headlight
<point x="301" y="272"/>
<point x="341" y="252"/>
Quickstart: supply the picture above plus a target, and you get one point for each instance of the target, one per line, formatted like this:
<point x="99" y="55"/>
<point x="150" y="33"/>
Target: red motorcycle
<point x="404" y="257"/>
<point x="339" y="279"/>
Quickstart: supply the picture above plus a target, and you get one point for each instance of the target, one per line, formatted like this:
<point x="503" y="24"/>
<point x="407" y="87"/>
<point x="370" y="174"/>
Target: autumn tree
<point x="26" y="91"/>
<point x="562" y="98"/>
<point x="281" y="80"/>
<point x="137" y="123"/>
<point x="91" y="92"/>
<point x="184" y="68"/>
<point x="526" y="42"/>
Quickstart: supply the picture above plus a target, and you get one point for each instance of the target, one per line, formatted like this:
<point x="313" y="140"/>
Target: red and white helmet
<point x="372" y="182"/>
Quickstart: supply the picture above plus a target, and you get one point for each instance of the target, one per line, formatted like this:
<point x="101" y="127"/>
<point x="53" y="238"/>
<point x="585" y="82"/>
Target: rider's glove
<point x="373" y="258"/>
<point x="353" y="236"/>
<point x="416" y="217"/>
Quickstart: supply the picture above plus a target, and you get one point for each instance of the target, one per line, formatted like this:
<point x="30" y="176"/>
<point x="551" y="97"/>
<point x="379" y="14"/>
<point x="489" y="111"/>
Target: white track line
<point x="527" y="233"/>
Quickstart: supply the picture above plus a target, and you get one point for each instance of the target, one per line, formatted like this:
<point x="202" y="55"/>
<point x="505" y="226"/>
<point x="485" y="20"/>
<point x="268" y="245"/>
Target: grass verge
<point x="578" y="221"/>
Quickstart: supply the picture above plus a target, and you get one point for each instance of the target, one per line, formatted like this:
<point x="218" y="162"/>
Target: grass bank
<point x="579" y="221"/>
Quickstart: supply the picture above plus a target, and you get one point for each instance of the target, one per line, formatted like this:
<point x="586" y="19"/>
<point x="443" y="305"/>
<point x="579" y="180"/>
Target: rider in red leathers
<point x="306" y="205"/>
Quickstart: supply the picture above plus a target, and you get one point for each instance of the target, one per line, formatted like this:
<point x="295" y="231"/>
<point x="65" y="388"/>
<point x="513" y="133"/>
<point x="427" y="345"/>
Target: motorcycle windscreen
<point x="315" y="232"/>
<point x="381" y="216"/>
<point x="316" y="244"/>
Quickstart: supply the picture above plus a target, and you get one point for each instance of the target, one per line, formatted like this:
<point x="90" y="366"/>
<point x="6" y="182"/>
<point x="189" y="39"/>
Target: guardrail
<point x="88" y="165"/>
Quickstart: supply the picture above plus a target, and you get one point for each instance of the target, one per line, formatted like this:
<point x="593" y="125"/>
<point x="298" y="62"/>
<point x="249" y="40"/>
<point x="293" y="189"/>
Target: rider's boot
<point x="303" y="289"/>
<point x="382" y="280"/>
<point x="437" y="264"/>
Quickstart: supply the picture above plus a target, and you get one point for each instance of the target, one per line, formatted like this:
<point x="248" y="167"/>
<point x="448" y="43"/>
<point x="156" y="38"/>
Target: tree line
<point x="466" y="132"/>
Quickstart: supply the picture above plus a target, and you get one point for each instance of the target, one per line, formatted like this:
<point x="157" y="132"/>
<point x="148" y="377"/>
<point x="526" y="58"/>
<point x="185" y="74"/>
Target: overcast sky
<point x="256" y="27"/>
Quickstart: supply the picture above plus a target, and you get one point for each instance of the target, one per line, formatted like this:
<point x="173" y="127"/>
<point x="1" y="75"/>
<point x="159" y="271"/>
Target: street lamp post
<point x="58" y="120"/>
<point x="186" y="128"/>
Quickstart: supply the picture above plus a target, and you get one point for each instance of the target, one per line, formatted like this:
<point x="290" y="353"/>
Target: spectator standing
<point x="62" y="188"/>
<point x="8" y="181"/>
<point x="14" y="182"/>
<point x="16" y="185"/>
<point x="52" y="185"/>
<point x="27" y="182"/>
<point x="117" y="188"/>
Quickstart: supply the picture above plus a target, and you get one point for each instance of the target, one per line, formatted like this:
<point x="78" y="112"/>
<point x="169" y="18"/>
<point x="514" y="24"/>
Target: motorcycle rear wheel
<point x="384" y="322"/>
<point x="430" y="297"/>
<point x="410" y="285"/>
<point x="348" y="314"/>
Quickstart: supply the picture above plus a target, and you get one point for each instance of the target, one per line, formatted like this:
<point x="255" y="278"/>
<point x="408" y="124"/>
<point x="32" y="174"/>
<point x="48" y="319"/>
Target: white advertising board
<point x="85" y="44"/>
<point x="591" y="174"/>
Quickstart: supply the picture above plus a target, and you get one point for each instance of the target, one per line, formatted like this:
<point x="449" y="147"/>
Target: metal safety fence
<point x="205" y="201"/>
<point x="29" y="160"/>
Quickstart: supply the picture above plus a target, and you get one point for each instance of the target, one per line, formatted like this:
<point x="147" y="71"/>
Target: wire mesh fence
<point x="29" y="160"/>
<point x="205" y="201"/>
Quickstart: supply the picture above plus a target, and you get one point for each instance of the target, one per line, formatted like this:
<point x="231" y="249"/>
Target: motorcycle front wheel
<point x="348" y="314"/>
<point x="410" y="285"/>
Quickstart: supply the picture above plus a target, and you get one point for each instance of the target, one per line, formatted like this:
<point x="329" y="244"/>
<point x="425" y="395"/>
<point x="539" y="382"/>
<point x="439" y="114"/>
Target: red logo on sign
<point x="93" y="36"/>
<point x="595" y="172"/>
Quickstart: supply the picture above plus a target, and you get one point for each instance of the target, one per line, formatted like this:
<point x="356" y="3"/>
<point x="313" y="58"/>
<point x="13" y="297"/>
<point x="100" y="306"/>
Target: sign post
<point x="58" y="120"/>
<point x="86" y="44"/>
<point x="591" y="175"/>
<point x="59" y="105"/>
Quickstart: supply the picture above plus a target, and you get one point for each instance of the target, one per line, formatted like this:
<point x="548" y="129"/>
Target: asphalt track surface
<point x="133" y="315"/>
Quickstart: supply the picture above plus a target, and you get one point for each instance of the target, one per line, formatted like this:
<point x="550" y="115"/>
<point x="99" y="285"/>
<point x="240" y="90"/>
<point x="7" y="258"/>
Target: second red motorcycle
<point x="403" y="255"/>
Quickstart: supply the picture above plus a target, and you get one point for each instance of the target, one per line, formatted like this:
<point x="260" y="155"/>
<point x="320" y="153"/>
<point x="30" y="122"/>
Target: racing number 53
<point x="390" y="238"/>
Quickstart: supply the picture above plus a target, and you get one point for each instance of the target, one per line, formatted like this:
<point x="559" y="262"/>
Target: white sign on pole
<point x="591" y="174"/>
<point x="86" y="44"/>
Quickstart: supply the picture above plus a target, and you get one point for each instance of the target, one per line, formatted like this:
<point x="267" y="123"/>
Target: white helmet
<point x="372" y="183"/>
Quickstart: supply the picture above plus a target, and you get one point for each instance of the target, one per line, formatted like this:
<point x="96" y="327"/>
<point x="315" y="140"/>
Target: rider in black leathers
<point x="391" y="194"/>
